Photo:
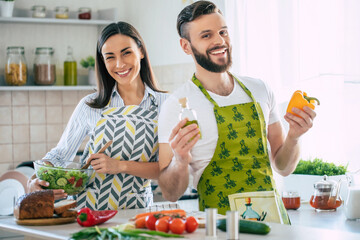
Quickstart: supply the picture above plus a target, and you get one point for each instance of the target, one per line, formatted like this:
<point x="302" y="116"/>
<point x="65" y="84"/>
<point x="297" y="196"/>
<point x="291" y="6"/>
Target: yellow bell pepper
<point x="299" y="100"/>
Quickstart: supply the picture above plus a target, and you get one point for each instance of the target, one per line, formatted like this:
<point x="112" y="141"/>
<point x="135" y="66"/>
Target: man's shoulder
<point x="250" y="80"/>
<point x="254" y="84"/>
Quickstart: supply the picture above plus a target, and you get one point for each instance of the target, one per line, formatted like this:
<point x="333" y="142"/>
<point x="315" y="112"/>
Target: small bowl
<point x="63" y="175"/>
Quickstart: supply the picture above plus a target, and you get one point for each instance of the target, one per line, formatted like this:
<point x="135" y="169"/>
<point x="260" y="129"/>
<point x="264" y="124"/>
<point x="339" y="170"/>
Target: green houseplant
<point x="89" y="63"/>
<point x="309" y="172"/>
<point x="319" y="167"/>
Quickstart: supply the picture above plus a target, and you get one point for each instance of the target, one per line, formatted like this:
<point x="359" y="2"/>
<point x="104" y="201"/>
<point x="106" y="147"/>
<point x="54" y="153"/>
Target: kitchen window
<point x="311" y="46"/>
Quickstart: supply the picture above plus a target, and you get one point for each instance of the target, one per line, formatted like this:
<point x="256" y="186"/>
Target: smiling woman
<point x="124" y="110"/>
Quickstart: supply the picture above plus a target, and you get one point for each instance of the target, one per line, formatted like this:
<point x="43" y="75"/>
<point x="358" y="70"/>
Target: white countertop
<point x="306" y="224"/>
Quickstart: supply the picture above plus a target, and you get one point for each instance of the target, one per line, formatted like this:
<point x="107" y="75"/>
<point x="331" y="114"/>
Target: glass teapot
<point x="326" y="195"/>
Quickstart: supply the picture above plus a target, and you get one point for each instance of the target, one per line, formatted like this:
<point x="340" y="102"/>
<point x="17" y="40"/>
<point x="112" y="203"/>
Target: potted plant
<point x="6" y="8"/>
<point x="309" y="172"/>
<point x="89" y="63"/>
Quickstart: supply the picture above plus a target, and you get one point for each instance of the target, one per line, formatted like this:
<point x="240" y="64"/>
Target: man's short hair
<point x="192" y="12"/>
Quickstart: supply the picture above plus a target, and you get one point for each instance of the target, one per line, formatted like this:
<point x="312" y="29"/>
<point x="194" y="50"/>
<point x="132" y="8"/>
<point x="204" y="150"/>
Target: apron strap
<point x="247" y="91"/>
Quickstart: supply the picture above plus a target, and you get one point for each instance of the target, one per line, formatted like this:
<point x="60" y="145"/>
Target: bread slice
<point x="39" y="204"/>
<point x="64" y="205"/>
<point x="69" y="213"/>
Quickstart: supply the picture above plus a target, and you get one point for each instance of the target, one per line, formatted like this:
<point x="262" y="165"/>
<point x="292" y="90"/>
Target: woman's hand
<point x="102" y="163"/>
<point x="35" y="184"/>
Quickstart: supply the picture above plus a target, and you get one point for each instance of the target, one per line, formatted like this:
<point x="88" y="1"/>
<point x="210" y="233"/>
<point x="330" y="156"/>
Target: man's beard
<point x="205" y="61"/>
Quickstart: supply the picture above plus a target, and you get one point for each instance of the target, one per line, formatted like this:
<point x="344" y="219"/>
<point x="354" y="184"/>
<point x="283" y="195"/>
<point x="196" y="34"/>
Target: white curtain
<point x="309" y="45"/>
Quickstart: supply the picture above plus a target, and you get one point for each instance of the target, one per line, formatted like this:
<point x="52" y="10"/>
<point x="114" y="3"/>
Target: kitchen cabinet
<point x="98" y="20"/>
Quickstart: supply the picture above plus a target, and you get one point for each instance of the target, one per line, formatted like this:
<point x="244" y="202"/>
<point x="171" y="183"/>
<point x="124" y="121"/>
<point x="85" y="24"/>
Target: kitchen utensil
<point x="100" y="151"/>
<point x="46" y="221"/>
<point x="65" y="175"/>
<point x="10" y="191"/>
<point x="12" y="174"/>
<point x="332" y="198"/>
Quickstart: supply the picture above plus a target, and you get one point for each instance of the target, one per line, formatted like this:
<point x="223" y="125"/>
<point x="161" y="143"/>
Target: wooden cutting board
<point x="45" y="221"/>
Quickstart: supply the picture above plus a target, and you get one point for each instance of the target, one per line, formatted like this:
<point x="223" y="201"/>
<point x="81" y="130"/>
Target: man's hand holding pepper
<point x="300" y="124"/>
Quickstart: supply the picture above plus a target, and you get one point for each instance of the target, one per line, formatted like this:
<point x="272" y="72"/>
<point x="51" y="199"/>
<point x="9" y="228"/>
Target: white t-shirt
<point x="204" y="149"/>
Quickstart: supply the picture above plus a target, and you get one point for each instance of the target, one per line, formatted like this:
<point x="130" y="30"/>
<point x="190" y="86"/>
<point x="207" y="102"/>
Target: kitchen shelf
<point x="53" y="21"/>
<point x="46" y="88"/>
<point x="100" y="17"/>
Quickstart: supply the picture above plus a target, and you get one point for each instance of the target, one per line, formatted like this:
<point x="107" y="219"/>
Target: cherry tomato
<point x="79" y="182"/>
<point x="177" y="226"/>
<point x="162" y="224"/>
<point x="150" y="222"/>
<point x="191" y="224"/>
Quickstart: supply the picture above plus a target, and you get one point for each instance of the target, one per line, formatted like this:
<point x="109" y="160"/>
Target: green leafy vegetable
<point x="117" y="233"/>
<point x="319" y="167"/>
<point x="71" y="180"/>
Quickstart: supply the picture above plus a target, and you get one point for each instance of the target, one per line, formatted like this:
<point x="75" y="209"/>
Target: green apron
<point x="241" y="162"/>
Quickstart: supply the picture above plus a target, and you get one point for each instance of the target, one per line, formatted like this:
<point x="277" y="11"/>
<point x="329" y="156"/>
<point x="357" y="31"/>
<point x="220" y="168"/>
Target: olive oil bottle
<point x="70" y="69"/>
<point x="188" y="113"/>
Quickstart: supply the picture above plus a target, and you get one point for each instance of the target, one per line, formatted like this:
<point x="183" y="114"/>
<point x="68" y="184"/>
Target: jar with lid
<point x="44" y="66"/>
<point x="84" y="13"/>
<point x="39" y="11"/>
<point x="291" y="200"/>
<point x="62" y="12"/>
<point x="326" y="197"/>
<point x="15" y="68"/>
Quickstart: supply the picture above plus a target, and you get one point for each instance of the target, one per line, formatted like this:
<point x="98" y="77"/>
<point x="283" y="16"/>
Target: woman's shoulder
<point x="161" y="96"/>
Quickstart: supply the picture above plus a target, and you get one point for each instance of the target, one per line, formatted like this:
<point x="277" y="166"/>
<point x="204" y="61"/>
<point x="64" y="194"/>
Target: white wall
<point x="155" y="20"/>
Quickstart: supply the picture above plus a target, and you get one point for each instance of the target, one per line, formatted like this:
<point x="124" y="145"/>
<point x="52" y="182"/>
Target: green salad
<point x="72" y="181"/>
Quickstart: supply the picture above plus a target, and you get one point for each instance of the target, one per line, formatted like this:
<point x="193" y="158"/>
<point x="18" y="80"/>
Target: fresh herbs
<point x="117" y="233"/>
<point x="88" y="62"/>
<point x="319" y="167"/>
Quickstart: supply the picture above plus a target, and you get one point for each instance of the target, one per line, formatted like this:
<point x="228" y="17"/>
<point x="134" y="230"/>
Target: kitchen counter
<point x="306" y="224"/>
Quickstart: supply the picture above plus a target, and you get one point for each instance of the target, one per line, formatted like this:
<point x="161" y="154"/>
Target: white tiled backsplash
<point x="32" y="122"/>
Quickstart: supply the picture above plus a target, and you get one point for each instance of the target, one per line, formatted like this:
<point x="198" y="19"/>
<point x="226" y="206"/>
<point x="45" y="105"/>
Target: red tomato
<point x="191" y="224"/>
<point x="79" y="182"/>
<point x="150" y="222"/>
<point x="162" y="224"/>
<point x="177" y="226"/>
<point x="72" y="180"/>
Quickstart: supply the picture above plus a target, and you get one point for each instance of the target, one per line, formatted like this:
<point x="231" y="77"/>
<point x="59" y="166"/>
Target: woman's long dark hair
<point x="104" y="80"/>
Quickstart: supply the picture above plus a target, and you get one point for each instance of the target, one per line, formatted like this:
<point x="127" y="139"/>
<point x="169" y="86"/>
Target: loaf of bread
<point x="39" y="204"/>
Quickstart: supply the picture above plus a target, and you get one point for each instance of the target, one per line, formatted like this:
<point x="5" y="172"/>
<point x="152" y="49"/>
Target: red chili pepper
<point x="87" y="217"/>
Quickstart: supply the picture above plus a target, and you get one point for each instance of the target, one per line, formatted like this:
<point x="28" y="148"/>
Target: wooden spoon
<point x="332" y="199"/>
<point x="100" y="151"/>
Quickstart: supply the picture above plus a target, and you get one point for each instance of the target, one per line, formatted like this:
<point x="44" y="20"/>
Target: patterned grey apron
<point x="134" y="134"/>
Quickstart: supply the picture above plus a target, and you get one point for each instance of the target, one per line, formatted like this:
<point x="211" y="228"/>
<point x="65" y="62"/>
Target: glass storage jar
<point x="39" y="11"/>
<point x="84" y="13"/>
<point x="62" y="12"/>
<point x="291" y="200"/>
<point x="44" y="66"/>
<point x="15" y="68"/>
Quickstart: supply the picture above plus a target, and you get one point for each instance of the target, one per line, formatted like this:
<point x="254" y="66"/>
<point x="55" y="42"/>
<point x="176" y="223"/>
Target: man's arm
<point x="286" y="151"/>
<point x="174" y="178"/>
